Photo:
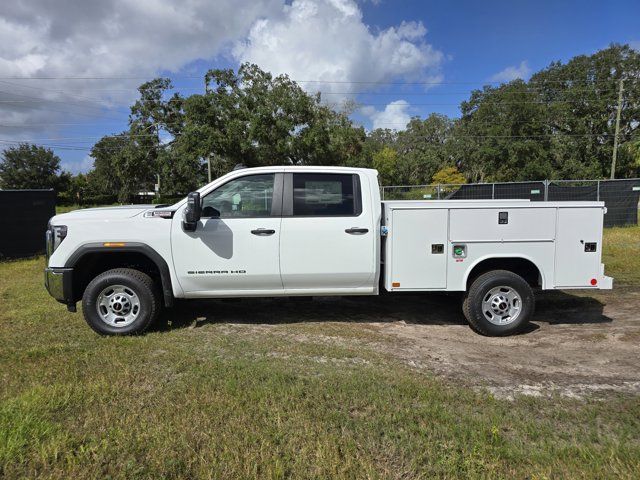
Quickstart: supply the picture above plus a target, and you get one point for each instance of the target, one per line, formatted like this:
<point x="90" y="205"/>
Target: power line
<point x="87" y="138"/>
<point x="77" y="147"/>
<point x="529" y="89"/>
<point x="40" y="89"/>
<point x="66" y="112"/>
<point x="323" y="81"/>
<point x="32" y="99"/>
<point x="523" y="102"/>
<point x="56" y="124"/>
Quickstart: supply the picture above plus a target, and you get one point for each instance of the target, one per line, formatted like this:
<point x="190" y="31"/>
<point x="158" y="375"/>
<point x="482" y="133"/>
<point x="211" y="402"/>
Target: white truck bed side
<point x="435" y="245"/>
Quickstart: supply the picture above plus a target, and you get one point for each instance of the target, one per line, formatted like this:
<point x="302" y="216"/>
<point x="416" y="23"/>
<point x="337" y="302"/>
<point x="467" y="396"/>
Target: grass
<point x="621" y="254"/>
<point x="244" y="401"/>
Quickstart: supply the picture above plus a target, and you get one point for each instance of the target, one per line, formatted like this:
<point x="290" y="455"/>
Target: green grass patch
<point x="295" y="400"/>
<point x="621" y="254"/>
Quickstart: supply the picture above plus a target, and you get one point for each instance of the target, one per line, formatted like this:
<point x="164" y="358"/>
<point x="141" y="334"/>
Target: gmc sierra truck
<point x="319" y="231"/>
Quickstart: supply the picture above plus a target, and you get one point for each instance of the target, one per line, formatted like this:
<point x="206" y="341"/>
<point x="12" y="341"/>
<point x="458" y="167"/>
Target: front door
<point x="327" y="239"/>
<point x="235" y="247"/>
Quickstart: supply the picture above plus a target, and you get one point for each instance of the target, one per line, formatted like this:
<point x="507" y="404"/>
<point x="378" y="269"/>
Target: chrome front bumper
<point x="59" y="284"/>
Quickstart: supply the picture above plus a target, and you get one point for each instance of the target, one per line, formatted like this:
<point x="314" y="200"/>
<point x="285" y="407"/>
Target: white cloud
<point x="395" y="115"/>
<point x="78" y="166"/>
<point x="109" y="38"/>
<point x="114" y="39"/>
<point x="327" y="40"/>
<point x="513" y="72"/>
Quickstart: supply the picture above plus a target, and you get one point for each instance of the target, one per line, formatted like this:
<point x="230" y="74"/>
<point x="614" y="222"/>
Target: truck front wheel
<point x="499" y="303"/>
<point x="122" y="301"/>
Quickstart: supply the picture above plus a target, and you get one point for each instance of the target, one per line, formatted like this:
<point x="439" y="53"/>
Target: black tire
<point x="139" y="284"/>
<point x="473" y="309"/>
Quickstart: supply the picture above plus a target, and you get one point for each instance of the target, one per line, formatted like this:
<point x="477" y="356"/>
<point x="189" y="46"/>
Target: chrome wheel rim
<point x="118" y="306"/>
<point x="501" y="305"/>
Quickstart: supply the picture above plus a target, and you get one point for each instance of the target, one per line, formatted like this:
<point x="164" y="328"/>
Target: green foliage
<point x="122" y="165"/>
<point x="557" y="125"/>
<point x="385" y="161"/>
<point x="423" y="148"/>
<point x="30" y="166"/>
<point x="449" y="175"/>
<point x="633" y="151"/>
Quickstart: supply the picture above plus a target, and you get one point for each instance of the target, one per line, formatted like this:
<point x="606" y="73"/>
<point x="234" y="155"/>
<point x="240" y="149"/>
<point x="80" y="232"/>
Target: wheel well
<point x="92" y="264"/>
<point x="520" y="266"/>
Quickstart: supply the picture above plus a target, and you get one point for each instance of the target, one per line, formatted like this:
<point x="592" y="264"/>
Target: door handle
<point x="263" y="232"/>
<point x="356" y="231"/>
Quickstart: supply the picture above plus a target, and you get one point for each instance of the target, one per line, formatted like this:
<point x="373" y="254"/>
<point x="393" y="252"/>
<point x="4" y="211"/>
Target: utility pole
<point x="209" y="166"/>
<point x="615" y="138"/>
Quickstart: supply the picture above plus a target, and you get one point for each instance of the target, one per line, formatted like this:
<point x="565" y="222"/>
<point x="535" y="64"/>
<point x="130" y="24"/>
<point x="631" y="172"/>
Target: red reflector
<point x="594" y="282"/>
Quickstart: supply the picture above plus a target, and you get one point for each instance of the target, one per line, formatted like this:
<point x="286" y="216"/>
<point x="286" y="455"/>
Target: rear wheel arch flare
<point x="523" y="266"/>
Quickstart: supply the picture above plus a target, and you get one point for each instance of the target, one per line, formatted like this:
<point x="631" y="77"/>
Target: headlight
<point x="55" y="235"/>
<point x="59" y="234"/>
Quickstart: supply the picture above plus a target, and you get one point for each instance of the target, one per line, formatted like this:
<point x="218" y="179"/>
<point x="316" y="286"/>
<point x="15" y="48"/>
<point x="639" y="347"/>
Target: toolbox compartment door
<point x="503" y="224"/>
<point x="419" y="249"/>
<point x="576" y="262"/>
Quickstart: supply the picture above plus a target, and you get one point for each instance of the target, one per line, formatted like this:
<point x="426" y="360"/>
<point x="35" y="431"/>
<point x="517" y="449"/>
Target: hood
<point x="102" y="213"/>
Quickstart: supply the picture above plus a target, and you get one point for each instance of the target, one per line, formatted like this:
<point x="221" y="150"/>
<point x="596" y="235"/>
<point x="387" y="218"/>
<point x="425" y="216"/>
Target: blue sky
<point x="483" y="38"/>
<point x="451" y="46"/>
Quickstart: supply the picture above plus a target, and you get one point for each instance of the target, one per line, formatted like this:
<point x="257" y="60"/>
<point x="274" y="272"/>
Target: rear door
<point x="327" y="238"/>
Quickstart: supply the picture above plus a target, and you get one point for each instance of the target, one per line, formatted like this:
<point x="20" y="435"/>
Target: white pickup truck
<point x="319" y="231"/>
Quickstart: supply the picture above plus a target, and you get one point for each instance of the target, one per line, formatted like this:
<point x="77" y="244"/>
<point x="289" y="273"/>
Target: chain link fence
<point x="621" y="197"/>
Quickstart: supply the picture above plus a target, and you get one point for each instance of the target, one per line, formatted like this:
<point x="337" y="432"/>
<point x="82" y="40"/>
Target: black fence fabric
<point x="533" y="191"/>
<point x="621" y="197"/>
<point x="472" y="192"/>
<point x="23" y="221"/>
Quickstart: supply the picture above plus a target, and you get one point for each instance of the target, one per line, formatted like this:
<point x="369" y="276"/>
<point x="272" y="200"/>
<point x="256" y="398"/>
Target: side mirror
<point x="193" y="212"/>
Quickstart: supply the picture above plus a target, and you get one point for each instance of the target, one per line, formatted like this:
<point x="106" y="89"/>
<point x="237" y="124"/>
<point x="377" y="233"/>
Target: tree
<point x="582" y="98"/>
<point x="503" y="135"/>
<point x="385" y="161"/>
<point x="449" y="175"/>
<point x="253" y="118"/>
<point x="632" y="149"/>
<point x="122" y="166"/>
<point x="423" y="148"/>
<point x="30" y="166"/>
<point x="559" y="124"/>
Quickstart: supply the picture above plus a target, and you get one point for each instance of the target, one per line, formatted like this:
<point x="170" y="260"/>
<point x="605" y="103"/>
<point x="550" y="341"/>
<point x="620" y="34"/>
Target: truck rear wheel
<point x="122" y="301"/>
<point x="499" y="303"/>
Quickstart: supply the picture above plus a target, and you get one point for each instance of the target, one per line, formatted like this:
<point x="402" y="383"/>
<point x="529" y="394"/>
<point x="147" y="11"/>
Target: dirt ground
<point x="579" y="343"/>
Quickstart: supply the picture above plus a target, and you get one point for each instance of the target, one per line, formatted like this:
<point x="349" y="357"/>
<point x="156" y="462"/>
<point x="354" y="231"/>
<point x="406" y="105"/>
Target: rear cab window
<point x="326" y="195"/>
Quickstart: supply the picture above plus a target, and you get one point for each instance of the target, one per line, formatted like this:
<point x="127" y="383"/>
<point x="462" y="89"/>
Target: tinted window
<point x="319" y="194"/>
<point x="249" y="196"/>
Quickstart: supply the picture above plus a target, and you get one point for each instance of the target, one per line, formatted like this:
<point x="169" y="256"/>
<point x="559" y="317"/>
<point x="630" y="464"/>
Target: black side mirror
<point x="193" y="212"/>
